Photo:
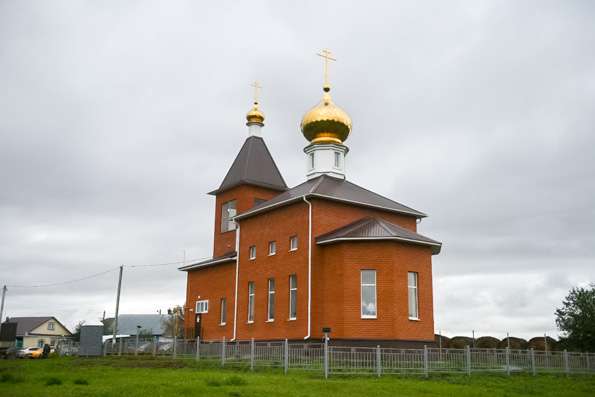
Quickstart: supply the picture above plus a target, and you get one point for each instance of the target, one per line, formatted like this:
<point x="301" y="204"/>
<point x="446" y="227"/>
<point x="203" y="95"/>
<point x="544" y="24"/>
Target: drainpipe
<point x="309" y="266"/>
<point x="235" y="298"/>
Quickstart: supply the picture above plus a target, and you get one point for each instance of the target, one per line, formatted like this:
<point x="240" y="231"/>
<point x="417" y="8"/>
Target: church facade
<point x="325" y="255"/>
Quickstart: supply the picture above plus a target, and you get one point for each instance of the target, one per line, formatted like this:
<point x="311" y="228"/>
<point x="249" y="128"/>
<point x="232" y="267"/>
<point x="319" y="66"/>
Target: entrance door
<point x="197" y="326"/>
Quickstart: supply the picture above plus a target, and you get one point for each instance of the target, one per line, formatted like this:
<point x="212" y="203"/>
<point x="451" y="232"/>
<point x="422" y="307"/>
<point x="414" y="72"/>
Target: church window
<point x="228" y="211"/>
<point x="251" y="302"/>
<point x="413" y="297"/>
<point x="271" y="304"/>
<point x="223" y="314"/>
<point x="368" y="294"/>
<point x="252" y="252"/>
<point x="293" y="243"/>
<point x="272" y="247"/>
<point x="311" y="161"/>
<point x="337" y="160"/>
<point x="202" y="306"/>
<point x="292" y="297"/>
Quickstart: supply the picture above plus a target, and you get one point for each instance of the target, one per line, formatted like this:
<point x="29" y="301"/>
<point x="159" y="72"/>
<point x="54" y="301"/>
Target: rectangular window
<point x="293" y="243"/>
<point x="251" y="302"/>
<point x="272" y="247"/>
<point x="292" y="297"/>
<point x="258" y="201"/>
<point x="368" y="293"/>
<point x="271" y="305"/>
<point x="311" y="161"/>
<point x="223" y="314"/>
<point x="50" y="326"/>
<point x="202" y="306"/>
<point x="252" y="252"/>
<point x="337" y="160"/>
<point x="413" y="301"/>
<point x="228" y="211"/>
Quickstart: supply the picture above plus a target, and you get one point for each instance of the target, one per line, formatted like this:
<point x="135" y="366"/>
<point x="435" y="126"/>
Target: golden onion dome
<point x="255" y="116"/>
<point x="326" y="122"/>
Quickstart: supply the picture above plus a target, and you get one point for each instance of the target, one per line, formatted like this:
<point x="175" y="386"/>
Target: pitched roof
<point x="377" y="229"/>
<point x="253" y="165"/>
<point x="228" y="257"/>
<point x="330" y="188"/>
<point x="149" y="322"/>
<point x="28" y="324"/>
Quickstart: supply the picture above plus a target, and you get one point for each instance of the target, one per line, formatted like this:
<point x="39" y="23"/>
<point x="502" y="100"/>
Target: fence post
<point x="197" y="348"/>
<point x="426" y="361"/>
<point x="566" y="364"/>
<point x="507" y="361"/>
<point x="325" y="357"/>
<point x="468" y="359"/>
<point x="120" y="347"/>
<point x="533" y="368"/>
<point x="588" y="363"/>
<point x="136" y="345"/>
<point x="223" y="351"/>
<point x="252" y="354"/>
<point x="154" y="346"/>
<point x="285" y="356"/>
<point x="378" y="361"/>
<point x="175" y="346"/>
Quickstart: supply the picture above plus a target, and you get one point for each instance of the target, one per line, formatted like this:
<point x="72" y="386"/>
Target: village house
<point x="38" y="331"/>
<point x="325" y="254"/>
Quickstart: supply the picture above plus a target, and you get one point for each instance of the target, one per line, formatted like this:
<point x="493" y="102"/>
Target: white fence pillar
<point x="223" y="351"/>
<point x="285" y="356"/>
<point x="425" y="361"/>
<point x="468" y="359"/>
<point x="378" y="361"/>
<point x="252" y="354"/>
<point x="197" y="348"/>
<point x="325" y="356"/>
<point x="175" y="346"/>
<point x="120" y="347"/>
<point x="566" y="364"/>
<point x="508" y="361"/>
<point x="588" y="363"/>
<point x="533" y="367"/>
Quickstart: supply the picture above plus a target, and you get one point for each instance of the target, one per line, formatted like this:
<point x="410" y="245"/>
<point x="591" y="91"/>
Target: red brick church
<point x="327" y="253"/>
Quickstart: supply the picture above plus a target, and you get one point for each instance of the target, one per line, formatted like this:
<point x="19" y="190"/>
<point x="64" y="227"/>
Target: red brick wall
<point x="244" y="195"/>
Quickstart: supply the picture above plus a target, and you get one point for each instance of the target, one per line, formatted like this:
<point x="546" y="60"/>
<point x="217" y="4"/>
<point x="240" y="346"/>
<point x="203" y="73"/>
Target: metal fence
<point x="336" y="360"/>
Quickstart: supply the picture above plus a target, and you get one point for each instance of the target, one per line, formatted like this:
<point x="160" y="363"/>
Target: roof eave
<point x="436" y="247"/>
<point x="208" y="264"/>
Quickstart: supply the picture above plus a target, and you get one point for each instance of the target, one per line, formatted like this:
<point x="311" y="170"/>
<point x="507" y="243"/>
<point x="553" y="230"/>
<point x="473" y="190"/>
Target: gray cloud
<point x="117" y="117"/>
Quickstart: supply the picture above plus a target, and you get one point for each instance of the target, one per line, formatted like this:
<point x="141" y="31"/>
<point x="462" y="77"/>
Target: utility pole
<point x="2" y="304"/>
<point x="117" y="307"/>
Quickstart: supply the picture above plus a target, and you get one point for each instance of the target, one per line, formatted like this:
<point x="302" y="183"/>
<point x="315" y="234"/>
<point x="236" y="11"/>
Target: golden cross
<point x="256" y="88"/>
<point x="326" y="54"/>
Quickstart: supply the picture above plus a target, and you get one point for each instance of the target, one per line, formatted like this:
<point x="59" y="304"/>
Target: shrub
<point x="53" y="381"/>
<point x="235" y="380"/>
<point x="487" y="342"/>
<point x="10" y="378"/>
<point x="213" y="382"/>
<point x="81" y="381"/>
<point x="459" y="342"/>
<point x="515" y="343"/>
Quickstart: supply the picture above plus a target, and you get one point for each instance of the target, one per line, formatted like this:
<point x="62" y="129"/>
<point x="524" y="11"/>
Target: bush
<point x="487" y="342"/>
<point x="53" y="381"/>
<point x="213" y="382"/>
<point x="459" y="342"/>
<point x="10" y="378"/>
<point x="515" y="343"/>
<point x="235" y="380"/>
<point x="81" y="382"/>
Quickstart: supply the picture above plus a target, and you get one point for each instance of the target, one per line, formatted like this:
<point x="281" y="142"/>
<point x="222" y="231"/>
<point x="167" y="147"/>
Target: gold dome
<point x="326" y="122"/>
<point x="255" y="116"/>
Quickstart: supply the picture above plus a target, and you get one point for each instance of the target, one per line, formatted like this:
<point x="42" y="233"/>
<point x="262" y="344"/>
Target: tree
<point x="77" y="331"/>
<point x="576" y="319"/>
<point x="170" y="322"/>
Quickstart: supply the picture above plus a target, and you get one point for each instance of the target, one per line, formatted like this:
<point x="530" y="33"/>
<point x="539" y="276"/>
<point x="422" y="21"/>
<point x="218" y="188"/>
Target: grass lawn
<point x="130" y="376"/>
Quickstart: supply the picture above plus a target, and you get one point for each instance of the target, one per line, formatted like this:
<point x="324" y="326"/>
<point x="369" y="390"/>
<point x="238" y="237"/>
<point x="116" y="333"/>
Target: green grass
<point x="145" y="377"/>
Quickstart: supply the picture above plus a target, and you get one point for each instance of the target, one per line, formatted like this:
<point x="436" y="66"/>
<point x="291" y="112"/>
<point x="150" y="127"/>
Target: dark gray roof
<point x="153" y="323"/>
<point x="253" y="165"/>
<point x="228" y="257"/>
<point x="330" y="188"/>
<point x="28" y="324"/>
<point x="377" y="229"/>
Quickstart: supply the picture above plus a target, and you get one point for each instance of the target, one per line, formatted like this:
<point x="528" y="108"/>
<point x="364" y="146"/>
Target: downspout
<point x="309" y="267"/>
<point x="235" y="299"/>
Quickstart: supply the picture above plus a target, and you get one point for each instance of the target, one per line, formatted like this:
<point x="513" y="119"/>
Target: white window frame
<point x="293" y="243"/>
<point x="252" y="252"/>
<point x="272" y="248"/>
<point x="51" y="326"/>
<point x="362" y="285"/>
<point x="202" y="306"/>
<point x="223" y="311"/>
<point x="271" y="299"/>
<point x="227" y="215"/>
<point x="293" y="297"/>
<point x="311" y="164"/>
<point x="251" y="301"/>
<point x="337" y="159"/>
<point x="415" y="288"/>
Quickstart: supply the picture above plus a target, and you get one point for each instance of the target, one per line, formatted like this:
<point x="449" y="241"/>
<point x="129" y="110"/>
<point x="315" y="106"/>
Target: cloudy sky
<point x="117" y="117"/>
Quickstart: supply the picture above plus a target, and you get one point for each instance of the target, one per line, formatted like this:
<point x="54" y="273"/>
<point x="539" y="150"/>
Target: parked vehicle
<point x="8" y="352"/>
<point x="30" y="352"/>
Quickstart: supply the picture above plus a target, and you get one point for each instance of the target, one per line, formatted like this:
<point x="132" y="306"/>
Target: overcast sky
<point x="117" y="117"/>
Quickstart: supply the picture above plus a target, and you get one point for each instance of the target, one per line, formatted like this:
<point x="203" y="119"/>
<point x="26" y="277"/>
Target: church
<point x="326" y="255"/>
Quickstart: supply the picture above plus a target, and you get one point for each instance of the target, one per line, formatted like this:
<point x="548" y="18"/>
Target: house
<point x="38" y="331"/>
<point x="324" y="256"/>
